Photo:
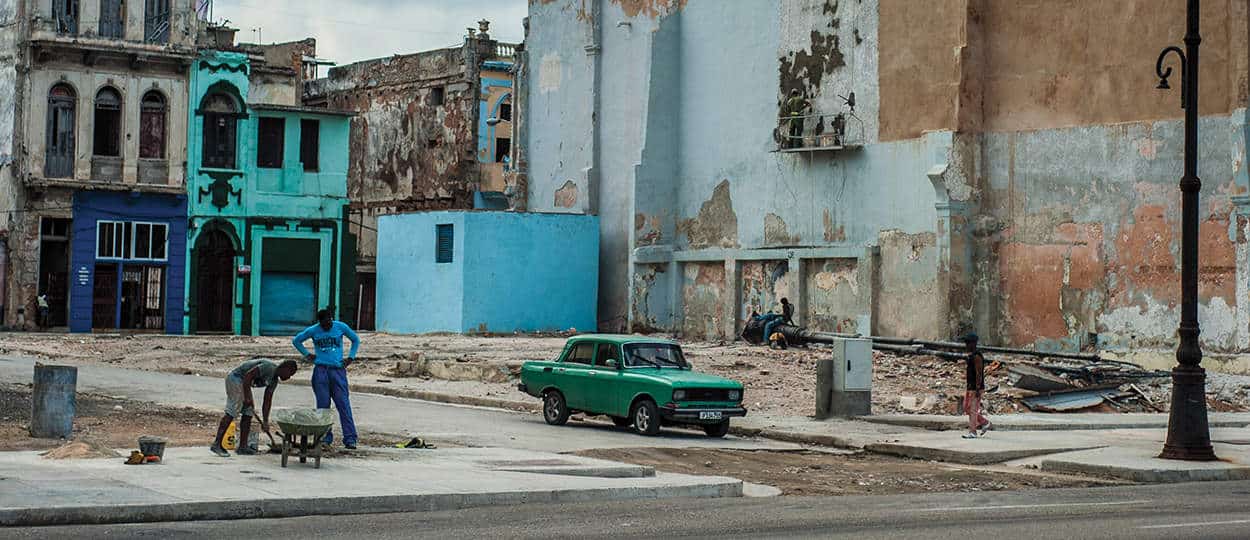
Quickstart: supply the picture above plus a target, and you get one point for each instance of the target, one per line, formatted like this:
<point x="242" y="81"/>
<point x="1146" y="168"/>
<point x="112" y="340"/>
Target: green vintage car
<point x="634" y="380"/>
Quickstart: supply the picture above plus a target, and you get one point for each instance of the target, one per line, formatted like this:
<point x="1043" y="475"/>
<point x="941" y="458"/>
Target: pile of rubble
<point x="930" y="385"/>
<point x="1070" y="387"/>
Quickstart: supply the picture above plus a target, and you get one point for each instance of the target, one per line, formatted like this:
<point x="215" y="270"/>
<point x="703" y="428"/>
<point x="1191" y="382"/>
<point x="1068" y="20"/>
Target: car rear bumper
<point x="692" y="415"/>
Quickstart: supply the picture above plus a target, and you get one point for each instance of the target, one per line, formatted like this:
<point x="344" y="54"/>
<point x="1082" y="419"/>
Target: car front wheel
<point x="716" y="430"/>
<point x="646" y="417"/>
<point x="555" y="410"/>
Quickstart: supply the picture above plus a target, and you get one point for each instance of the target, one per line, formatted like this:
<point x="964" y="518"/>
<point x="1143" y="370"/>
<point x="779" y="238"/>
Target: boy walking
<point x="974" y="376"/>
<point x="329" y="378"/>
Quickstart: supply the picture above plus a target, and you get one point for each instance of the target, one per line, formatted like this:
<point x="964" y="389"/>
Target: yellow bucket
<point x="232" y="440"/>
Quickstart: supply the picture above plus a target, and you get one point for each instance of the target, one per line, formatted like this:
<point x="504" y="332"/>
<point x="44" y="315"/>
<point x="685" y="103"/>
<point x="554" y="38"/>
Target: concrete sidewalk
<point x="192" y="484"/>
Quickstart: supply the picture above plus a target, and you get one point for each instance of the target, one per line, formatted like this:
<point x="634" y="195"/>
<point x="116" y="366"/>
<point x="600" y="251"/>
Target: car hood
<point x="686" y="378"/>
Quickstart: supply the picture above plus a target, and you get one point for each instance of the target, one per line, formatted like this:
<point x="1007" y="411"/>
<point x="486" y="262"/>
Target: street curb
<point x="962" y="457"/>
<point x="331" y="506"/>
<point x="1147" y="476"/>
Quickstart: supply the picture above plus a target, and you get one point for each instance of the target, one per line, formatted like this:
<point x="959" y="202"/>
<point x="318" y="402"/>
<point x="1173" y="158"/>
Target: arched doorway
<point x="214" y="253"/>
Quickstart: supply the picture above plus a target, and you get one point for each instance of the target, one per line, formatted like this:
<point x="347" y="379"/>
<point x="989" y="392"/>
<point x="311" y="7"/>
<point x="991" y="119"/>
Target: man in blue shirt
<point x="329" y="378"/>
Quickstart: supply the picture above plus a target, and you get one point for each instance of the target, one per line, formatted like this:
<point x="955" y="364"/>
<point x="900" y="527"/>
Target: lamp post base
<point x="1188" y="434"/>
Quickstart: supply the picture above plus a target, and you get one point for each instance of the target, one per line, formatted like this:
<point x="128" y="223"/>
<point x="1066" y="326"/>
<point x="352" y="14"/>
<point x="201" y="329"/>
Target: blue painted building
<point x="127" y="261"/>
<point x="267" y="195"/>
<point x="486" y="272"/>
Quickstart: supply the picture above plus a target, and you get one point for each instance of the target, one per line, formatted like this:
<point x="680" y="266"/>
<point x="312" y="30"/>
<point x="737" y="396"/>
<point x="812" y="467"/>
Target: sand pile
<point x="80" y="450"/>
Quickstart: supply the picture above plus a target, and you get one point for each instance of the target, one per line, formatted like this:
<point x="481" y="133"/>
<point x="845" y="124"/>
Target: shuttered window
<point x="445" y="235"/>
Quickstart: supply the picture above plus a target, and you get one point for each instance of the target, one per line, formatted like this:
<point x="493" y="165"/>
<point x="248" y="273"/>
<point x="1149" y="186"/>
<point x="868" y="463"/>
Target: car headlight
<point x="679" y="395"/>
<point x="735" y="395"/>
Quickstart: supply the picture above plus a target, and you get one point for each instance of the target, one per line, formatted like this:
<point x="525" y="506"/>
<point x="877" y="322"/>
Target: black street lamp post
<point x="1188" y="434"/>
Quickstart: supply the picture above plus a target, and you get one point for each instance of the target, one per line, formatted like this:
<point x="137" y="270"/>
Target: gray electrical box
<point x="852" y="365"/>
<point x="844" y="382"/>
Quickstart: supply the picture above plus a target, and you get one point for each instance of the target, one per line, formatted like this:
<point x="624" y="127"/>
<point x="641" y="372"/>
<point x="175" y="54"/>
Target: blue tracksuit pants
<point x="330" y="384"/>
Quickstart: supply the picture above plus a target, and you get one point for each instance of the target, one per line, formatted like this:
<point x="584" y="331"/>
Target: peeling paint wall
<point x="762" y="285"/>
<point x="415" y="141"/>
<point x="1016" y="176"/>
<point x="833" y="296"/>
<point x="703" y="300"/>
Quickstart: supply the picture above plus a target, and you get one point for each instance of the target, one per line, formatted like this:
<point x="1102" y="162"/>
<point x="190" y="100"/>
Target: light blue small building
<point x="461" y="271"/>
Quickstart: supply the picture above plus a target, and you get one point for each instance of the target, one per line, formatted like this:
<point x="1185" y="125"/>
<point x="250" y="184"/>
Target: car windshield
<point x="654" y="355"/>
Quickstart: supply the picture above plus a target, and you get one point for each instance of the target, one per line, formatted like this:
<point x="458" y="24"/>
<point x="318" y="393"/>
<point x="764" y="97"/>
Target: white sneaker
<point x="970" y="435"/>
<point x="988" y="427"/>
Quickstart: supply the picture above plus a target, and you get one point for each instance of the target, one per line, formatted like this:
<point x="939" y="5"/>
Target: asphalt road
<point x="1206" y="510"/>
<point x="462" y="425"/>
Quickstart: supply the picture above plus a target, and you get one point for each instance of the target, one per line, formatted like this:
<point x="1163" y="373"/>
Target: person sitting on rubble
<point x="787" y="312"/>
<point x="258" y="373"/>
<point x="974" y="376"/>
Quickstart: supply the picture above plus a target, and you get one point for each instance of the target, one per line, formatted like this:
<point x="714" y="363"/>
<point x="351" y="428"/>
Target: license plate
<point x="711" y="415"/>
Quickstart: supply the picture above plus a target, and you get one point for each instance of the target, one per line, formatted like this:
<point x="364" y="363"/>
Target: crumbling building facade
<point x="93" y="107"/>
<point x="1006" y="166"/>
<point x="432" y="131"/>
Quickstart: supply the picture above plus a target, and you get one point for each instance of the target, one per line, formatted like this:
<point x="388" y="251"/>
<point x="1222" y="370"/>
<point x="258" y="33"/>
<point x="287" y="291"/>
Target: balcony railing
<point x="817" y="132"/>
<point x="505" y="50"/>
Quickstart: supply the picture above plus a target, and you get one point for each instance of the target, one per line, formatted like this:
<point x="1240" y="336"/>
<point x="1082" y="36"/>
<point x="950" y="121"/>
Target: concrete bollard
<point x="53" y="401"/>
<point x="824" y="388"/>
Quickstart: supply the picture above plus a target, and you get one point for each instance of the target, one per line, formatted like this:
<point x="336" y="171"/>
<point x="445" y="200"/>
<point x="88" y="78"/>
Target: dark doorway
<point x="104" y="296"/>
<point x="54" y="268"/>
<point x="143" y="298"/>
<point x="215" y="282"/>
<point x="367" y="301"/>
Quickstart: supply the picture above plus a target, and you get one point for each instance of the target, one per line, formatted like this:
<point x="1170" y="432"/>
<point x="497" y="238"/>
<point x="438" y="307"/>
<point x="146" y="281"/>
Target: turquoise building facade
<point x="266" y="198"/>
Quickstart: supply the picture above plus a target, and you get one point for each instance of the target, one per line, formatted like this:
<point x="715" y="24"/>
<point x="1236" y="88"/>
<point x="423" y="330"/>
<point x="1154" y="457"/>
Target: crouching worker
<point x="240" y="405"/>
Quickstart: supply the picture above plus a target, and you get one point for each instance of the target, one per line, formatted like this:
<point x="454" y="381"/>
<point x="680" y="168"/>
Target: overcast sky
<point x="353" y="30"/>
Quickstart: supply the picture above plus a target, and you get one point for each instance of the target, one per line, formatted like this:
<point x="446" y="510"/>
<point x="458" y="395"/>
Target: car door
<point x="571" y="375"/>
<point x="602" y="381"/>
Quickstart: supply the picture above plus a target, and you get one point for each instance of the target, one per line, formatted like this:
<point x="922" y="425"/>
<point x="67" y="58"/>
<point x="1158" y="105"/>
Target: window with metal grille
<point x="65" y="14"/>
<point x="270" y="141"/>
<point x="156" y="22"/>
<point x="112" y="18"/>
<point x="221" y="115"/>
<point x="152" y="126"/>
<point x="445" y="234"/>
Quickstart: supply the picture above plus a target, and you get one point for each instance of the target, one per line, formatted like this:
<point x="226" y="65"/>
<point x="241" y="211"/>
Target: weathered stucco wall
<point x="1018" y="173"/>
<point x="9" y="55"/>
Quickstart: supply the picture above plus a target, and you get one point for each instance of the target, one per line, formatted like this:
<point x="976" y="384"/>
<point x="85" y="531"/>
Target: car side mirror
<point x="610" y="363"/>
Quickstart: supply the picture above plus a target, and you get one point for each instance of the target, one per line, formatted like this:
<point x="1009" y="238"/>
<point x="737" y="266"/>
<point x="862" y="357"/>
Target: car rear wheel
<point x="555" y="410"/>
<point x="716" y="430"/>
<point x="646" y="417"/>
<point x="621" y="421"/>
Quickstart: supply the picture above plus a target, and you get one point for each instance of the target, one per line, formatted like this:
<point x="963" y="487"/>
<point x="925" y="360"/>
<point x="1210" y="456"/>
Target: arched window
<point x="108" y="123"/>
<point x="221" y="117"/>
<point x="59" y="154"/>
<point x="152" y="126"/>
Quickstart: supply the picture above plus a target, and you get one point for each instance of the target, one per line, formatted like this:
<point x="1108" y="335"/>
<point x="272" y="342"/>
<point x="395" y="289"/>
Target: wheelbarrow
<point x="302" y="430"/>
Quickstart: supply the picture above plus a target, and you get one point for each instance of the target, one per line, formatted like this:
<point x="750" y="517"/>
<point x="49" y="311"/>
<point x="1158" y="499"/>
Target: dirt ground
<point x="106" y="421"/>
<point x="776" y="382"/>
<point x="821" y="473"/>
